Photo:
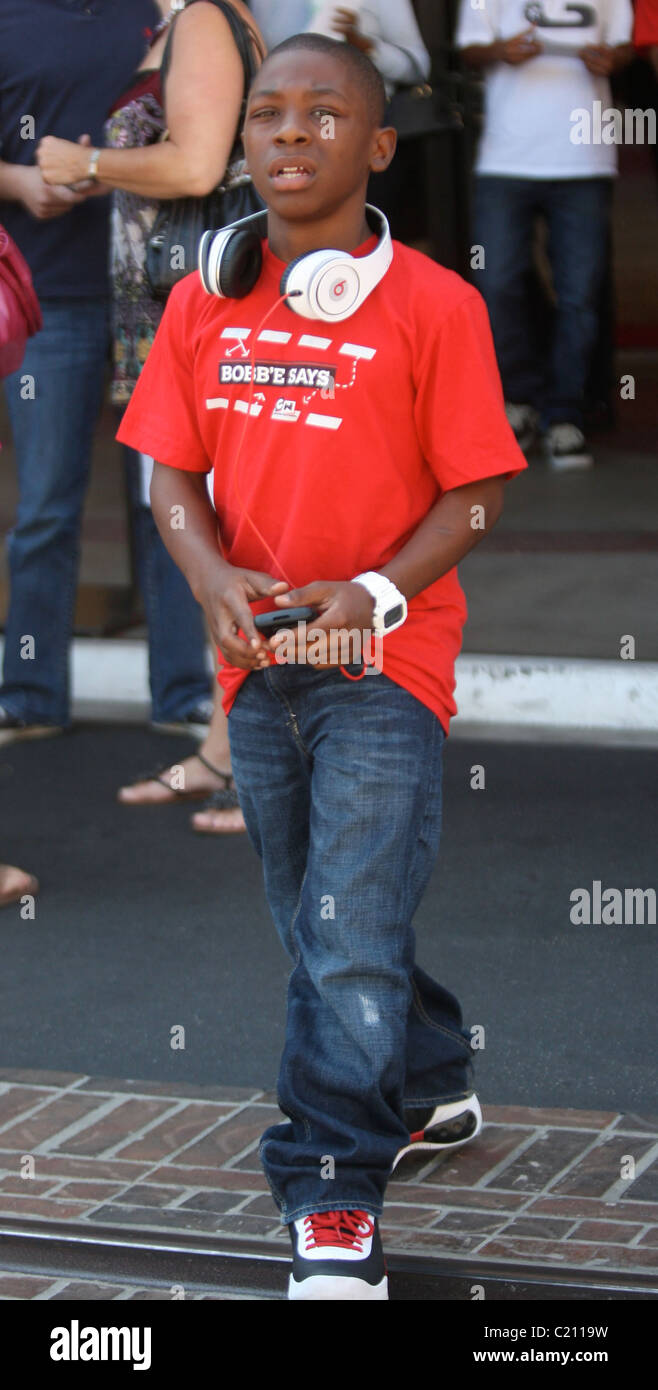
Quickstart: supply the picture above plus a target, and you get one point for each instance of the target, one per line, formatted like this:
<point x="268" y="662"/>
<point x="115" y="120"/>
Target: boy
<point x="390" y="471"/>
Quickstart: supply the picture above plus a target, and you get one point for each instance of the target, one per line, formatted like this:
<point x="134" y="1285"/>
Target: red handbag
<point x="20" y="314"/>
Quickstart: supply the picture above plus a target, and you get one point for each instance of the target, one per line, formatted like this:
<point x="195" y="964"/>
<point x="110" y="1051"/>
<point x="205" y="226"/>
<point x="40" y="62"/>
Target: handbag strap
<point x="240" y="36"/>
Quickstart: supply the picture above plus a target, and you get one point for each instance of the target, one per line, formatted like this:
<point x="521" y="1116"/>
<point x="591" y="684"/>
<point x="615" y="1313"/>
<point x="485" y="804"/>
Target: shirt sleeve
<point x="460" y="412"/>
<point x="161" y="418"/>
<point x="646" y="23"/>
<point x="399" y="51"/>
<point x="476" y="26"/>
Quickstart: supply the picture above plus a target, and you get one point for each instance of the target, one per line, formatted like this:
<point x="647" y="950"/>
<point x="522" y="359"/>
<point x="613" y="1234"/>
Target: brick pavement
<point x="559" y="1187"/>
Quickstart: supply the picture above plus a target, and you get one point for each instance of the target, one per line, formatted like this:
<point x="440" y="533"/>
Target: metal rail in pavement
<point x="207" y="1264"/>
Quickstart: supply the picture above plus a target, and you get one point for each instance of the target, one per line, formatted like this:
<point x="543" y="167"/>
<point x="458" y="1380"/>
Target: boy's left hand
<point x="341" y="606"/>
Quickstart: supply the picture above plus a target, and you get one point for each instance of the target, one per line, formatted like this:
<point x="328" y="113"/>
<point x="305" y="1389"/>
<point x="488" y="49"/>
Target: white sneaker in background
<point x="565" y="448"/>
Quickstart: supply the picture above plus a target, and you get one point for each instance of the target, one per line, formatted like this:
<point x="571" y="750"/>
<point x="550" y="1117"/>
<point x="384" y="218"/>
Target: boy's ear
<point x="383" y="148"/>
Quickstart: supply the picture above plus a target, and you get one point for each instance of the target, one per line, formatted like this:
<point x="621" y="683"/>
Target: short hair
<point x="359" y="66"/>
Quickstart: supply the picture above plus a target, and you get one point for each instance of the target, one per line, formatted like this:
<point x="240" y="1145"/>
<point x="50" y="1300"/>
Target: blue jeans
<point x="53" y="431"/>
<point x="178" y="673"/>
<point x="577" y="214"/>
<point x="340" y="785"/>
<point x="53" y="427"/>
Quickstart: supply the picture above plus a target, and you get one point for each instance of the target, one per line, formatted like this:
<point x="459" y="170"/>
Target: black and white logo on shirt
<point x="313" y="375"/>
<point x="573" y="16"/>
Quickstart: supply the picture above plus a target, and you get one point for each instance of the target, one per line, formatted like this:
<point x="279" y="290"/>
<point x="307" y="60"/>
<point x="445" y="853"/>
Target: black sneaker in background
<point x="195" y="722"/>
<point x="13" y="728"/>
<point x="432" y="1130"/>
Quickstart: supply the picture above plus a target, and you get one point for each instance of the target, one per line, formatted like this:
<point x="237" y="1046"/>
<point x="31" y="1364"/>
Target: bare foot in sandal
<point x="206" y="773"/>
<point x="221" y="814"/>
<point x="191" y="779"/>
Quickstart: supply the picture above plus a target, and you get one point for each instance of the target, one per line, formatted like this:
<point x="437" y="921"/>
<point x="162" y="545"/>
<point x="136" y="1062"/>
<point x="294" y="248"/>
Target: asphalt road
<point x="142" y="925"/>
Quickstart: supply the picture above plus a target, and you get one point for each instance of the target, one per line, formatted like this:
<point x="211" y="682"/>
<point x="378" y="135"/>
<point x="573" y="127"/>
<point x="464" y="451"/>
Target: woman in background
<point x="206" y="83"/>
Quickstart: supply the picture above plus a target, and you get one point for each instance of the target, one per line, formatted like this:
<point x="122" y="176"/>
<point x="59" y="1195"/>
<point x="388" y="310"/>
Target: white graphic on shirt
<point x="286" y="409"/>
<point x="336" y="385"/>
<point x="324" y="422"/>
<point x="239" y="334"/>
<point x="272" y="335"/>
<point x="254" y="409"/>
<point x="308" y="340"/>
<point x="357" y="350"/>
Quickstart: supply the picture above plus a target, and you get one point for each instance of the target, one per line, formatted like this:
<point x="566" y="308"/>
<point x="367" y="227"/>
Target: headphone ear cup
<point x="285" y="278"/>
<point x="240" y="264"/>
<point x="230" y="261"/>
<point x="205" y="245"/>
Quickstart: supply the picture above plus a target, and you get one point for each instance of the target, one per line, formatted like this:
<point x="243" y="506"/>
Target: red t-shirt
<point x="355" y="430"/>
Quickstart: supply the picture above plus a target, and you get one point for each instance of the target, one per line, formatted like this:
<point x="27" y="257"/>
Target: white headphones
<point x="326" y="284"/>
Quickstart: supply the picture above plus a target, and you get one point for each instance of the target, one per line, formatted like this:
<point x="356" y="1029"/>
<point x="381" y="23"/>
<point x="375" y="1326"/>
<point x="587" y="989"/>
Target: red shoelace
<point x="343" y="1228"/>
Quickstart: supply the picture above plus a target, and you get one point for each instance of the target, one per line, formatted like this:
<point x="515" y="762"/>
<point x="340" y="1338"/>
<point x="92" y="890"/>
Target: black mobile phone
<point x="268" y="623"/>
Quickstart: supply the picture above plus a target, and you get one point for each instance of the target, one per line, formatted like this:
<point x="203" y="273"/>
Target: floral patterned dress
<point x="137" y="120"/>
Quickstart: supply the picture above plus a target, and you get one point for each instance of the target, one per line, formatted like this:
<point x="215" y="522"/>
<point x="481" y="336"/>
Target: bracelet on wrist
<point x="92" y="169"/>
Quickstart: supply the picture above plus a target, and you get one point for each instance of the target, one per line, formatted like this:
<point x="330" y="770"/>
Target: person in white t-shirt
<point x="386" y="30"/>
<point x="547" y="65"/>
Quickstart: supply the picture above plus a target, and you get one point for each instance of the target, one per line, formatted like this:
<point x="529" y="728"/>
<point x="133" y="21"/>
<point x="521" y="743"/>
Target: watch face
<point x="393" y="615"/>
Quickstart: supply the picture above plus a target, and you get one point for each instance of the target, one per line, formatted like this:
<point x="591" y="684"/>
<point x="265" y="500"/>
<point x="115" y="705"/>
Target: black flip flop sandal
<point x="179" y="793"/>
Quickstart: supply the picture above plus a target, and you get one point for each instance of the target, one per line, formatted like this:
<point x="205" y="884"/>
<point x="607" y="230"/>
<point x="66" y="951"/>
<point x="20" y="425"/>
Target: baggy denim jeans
<point x="340" y="784"/>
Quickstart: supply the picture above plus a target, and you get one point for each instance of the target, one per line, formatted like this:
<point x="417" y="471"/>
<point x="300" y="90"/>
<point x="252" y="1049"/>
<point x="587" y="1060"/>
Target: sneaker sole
<point x="31" y="731"/>
<point x="435" y="1146"/>
<point x="565" y="462"/>
<point x="334" y="1288"/>
<point x="570" y="462"/>
<point x="196" y="731"/>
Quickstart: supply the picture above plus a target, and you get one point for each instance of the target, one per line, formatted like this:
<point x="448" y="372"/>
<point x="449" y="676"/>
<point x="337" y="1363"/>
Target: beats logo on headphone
<point x="326" y="284"/>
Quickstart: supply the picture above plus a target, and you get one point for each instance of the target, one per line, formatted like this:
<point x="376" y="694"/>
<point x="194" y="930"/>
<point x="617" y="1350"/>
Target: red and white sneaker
<point x="337" y="1255"/>
<point x="444" y="1127"/>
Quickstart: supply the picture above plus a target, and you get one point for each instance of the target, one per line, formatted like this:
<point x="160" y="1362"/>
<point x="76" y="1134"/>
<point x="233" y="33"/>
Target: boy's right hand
<point x="226" y="604"/>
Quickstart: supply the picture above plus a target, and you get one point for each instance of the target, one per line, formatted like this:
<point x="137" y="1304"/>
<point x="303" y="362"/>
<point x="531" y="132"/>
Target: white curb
<point x="558" y="693"/>
<point x="547" y="692"/>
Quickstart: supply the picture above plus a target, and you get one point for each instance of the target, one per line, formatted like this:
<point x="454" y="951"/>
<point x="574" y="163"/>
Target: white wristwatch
<point x="390" y="605"/>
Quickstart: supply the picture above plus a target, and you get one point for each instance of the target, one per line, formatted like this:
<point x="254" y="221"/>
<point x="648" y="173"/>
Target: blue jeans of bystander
<point x="577" y="216"/>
